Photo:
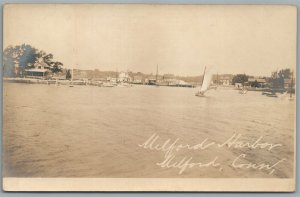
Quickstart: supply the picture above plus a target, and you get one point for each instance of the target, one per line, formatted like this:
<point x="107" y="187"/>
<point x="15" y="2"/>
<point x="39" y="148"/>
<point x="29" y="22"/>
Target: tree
<point x="56" y="67"/>
<point x="8" y="62"/>
<point x="277" y="78"/>
<point x="24" y="56"/>
<point x="27" y="56"/>
<point x="47" y="58"/>
<point x="68" y="75"/>
<point x="239" y="78"/>
<point x="285" y="73"/>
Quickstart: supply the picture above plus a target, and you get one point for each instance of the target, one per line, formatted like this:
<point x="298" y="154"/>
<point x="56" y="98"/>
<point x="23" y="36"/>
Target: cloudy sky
<point x="182" y="40"/>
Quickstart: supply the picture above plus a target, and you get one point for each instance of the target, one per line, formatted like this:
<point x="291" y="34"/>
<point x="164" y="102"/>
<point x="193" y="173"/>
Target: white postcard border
<point x="150" y="184"/>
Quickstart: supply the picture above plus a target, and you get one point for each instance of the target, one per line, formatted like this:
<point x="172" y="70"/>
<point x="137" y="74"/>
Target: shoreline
<point x="113" y="84"/>
<point x="80" y="82"/>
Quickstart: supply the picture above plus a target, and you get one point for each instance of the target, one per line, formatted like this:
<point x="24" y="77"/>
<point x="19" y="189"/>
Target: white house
<point x="40" y="69"/>
<point x="124" y="77"/>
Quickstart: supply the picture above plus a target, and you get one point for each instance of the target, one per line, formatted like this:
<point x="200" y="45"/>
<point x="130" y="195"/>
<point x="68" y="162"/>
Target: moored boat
<point x="270" y="94"/>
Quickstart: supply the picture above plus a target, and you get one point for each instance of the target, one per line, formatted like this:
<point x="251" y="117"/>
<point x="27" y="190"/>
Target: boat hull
<point x="199" y="94"/>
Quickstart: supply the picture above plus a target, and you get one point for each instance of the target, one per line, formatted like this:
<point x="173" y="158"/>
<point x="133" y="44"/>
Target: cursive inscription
<point x="170" y="148"/>
<point x="235" y="142"/>
<point x="237" y="163"/>
<point x="185" y="163"/>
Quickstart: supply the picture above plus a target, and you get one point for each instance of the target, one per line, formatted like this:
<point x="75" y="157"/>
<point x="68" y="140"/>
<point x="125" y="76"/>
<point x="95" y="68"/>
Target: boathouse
<point x="40" y="69"/>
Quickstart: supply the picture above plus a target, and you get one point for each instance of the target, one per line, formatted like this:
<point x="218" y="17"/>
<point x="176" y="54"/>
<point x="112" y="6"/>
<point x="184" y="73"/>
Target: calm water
<point x="61" y="131"/>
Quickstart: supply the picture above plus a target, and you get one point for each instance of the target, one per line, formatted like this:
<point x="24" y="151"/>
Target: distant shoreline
<point x="80" y="82"/>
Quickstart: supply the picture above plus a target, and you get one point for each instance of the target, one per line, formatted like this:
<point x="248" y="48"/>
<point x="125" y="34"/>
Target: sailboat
<point x="206" y="80"/>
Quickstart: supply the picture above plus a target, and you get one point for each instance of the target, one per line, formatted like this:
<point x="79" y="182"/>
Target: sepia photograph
<point x="119" y="97"/>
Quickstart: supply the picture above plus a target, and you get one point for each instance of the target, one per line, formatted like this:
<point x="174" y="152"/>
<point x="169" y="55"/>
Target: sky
<point x="181" y="40"/>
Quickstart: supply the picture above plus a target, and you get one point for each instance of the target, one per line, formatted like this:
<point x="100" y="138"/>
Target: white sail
<point x="207" y="79"/>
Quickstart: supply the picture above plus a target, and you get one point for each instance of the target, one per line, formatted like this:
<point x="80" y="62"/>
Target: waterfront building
<point x="152" y="82"/>
<point x="257" y="82"/>
<point x="137" y="79"/>
<point x="225" y="80"/>
<point x="124" y="77"/>
<point x="40" y="70"/>
<point x="238" y="85"/>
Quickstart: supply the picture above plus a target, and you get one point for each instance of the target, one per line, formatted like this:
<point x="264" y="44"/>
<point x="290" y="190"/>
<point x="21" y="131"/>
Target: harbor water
<point x="90" y="131"/>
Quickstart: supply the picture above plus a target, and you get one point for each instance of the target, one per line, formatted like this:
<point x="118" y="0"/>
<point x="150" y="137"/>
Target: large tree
<point x="26" y="56"/>
<point x="54" y="66"/>
<point x="22" y="55"/>
<point x="8" y="62"/>
<point x="277" y="78"/>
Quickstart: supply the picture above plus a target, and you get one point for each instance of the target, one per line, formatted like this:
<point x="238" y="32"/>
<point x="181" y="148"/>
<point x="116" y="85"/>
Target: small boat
<point x="124" y="85"/>
<point x="284" y="94"/>
<point x="108" y="85"/>
<point x="200" y="94"/>
<point x="243" y="91"/>
<point x="206" y="80"/>
<point x="270" y="94"/>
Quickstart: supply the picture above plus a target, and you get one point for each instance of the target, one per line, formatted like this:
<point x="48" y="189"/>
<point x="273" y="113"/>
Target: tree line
<point x="25" y="56"/>
<point x="275" y="81"/>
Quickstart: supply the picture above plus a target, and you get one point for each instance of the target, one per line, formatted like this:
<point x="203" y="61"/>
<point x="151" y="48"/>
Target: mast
<point x="156" y="73"/>
<point x="203" y="75"/>
<point x="156" y="77"/>
<point x="117" y="76"/>
<point x="291" y="90"/>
